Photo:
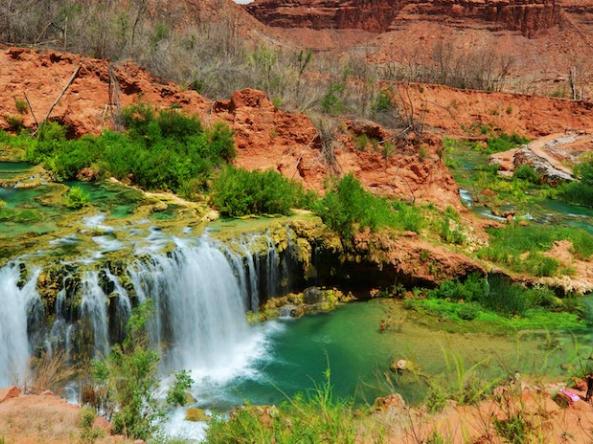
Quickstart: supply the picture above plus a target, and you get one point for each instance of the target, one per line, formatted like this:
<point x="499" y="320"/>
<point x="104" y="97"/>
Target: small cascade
<point x="15" y="302"/>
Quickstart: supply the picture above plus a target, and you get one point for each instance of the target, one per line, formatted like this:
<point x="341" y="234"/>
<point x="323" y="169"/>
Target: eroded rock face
<point x="379" y="16"/>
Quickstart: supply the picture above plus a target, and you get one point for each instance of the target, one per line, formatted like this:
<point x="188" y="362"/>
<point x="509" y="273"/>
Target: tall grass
<point x="317" y="417"/>
<point x="521" y="247"/>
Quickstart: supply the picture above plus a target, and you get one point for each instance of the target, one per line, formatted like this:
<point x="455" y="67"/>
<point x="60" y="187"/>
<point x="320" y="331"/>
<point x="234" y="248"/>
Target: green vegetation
<point x="238" y="192"/>
<point x="89" y="434"/>
<point x="497" y="304"/>
<point x="469" y="163"/>
<point x="76" y="198"/>
<point x="450" y="227"/>
<point x="520" y="247"/>
<point x="21" y="105"/>
<point x="129" y="377"/>
<point x="504" y="142"/>
<point x="165" y="150"/>
<point x="348" y="207"/>
<point x="581" y="192"/>
<point x="177" y="394"/>
<point x="528" y="173"/>
<point x="316" y="417"/>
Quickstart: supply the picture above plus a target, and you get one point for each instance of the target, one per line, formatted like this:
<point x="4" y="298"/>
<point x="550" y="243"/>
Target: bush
<point x="160" y="150"/>
<point x="21" y="105"/>
<point x="177" y="394"/>
<point x="348" y="206"/>
<point x="580" y="192"/>
<point x="238" y="192"/>
<point x="528" y="173"/>
<point x="76" y="198"/>
<point x="505" y="142"/>
<point x="130" y="376"/>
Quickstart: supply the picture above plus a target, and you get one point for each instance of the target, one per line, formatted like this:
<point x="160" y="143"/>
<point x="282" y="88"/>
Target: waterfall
<point x="200" y="293"/>
<point x="199" y="309"/>
<point x="14" y="343"/>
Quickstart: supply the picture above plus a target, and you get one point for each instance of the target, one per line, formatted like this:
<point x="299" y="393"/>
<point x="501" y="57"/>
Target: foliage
<point x="514" y="430"/>
<point x="21" y="105"/>
<point x="15" y="122"/>
<point x="383" y="102"/>
<point x="160" y="150"/>
<point x="504" y="142"/>
<point x="528" y="173"/>
<point x="580" y="192"/>
<point x="129" y="376"/>
<point x="89" y="434"/>
<point x="238" y="192"/>
<point x="333" y="101"/>
<point x="177" y="394"/>
<point x="468" y="386"/>
<point x="347" y="206"/>
<point x="76" y="198"/>
<point x="521" y="247"/>
<point x="450" y="227"/>
<point x="316" y="417"/>
<point x="496" y="301"/>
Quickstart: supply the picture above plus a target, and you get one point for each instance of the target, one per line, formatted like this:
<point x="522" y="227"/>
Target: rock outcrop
<point x="529" y="18"/>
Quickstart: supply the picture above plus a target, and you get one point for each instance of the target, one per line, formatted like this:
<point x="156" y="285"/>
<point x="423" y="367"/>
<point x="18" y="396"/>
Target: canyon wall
<point x="528" y="17"/>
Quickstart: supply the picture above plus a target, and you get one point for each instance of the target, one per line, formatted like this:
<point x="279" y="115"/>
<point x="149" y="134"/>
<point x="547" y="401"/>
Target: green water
<point x="9" y="170"/>
<point x="348" y="341"/>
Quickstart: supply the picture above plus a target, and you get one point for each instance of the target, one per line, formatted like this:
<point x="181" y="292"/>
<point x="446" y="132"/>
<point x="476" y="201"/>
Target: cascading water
<point x="14" y="306"/>
<point x="200" y="310"/>
<point x="200" y="293"/>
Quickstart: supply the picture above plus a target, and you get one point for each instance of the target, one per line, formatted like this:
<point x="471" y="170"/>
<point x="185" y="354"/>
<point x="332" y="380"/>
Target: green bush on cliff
<point x="238" y="192"/>
<point x="348" y="206"/>
<point x="159" y="150"/>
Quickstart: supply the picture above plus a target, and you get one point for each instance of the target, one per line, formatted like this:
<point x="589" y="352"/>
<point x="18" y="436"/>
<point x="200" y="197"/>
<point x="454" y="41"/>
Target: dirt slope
<point x="266" y="137"/>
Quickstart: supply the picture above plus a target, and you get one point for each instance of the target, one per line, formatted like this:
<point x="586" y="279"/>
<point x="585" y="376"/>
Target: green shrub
<point x="348" y="206"/>
<point x="332" y="101"/>
<point x="238" y="192"/>
<point x="528" y="173"/>
<point x="89" y="434"/>
<point x="76" y="198"/>
<point x="15" y="122"/>
<point x="129" y="375"/>
<point x="580" y="192"/>
<point x="164" y="150"/>
<point x="382" y="102"/>
<point x="177" y="394"/>
<point x="21" y="105"/>
<point x="505" y="142"/>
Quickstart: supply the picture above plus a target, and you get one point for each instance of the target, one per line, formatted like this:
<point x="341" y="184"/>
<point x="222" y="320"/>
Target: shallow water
<point x="349" y="343"/>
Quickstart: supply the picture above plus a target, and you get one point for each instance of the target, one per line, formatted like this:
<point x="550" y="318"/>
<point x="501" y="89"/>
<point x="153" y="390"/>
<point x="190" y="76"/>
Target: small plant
<point x="361" y="142"/>
<point x="76" y="198"/>
<point x="89" y="434"/>
<point x="177" y="395"/>
<point x="383" y="102"/>
<point x="15" y="123"/>
<point x="332" y="102"/>
<point x="515" y="429"/>
<point x="388" y="149"/>
<point x="21" y="105"/>
<point x="422" y="153"/>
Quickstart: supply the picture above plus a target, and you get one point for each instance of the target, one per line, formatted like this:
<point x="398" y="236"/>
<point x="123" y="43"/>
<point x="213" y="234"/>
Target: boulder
<point x="9" y="392"/>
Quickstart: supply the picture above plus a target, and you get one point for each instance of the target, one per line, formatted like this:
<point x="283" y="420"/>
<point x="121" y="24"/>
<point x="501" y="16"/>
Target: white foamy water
<point x="14" y="343"/>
